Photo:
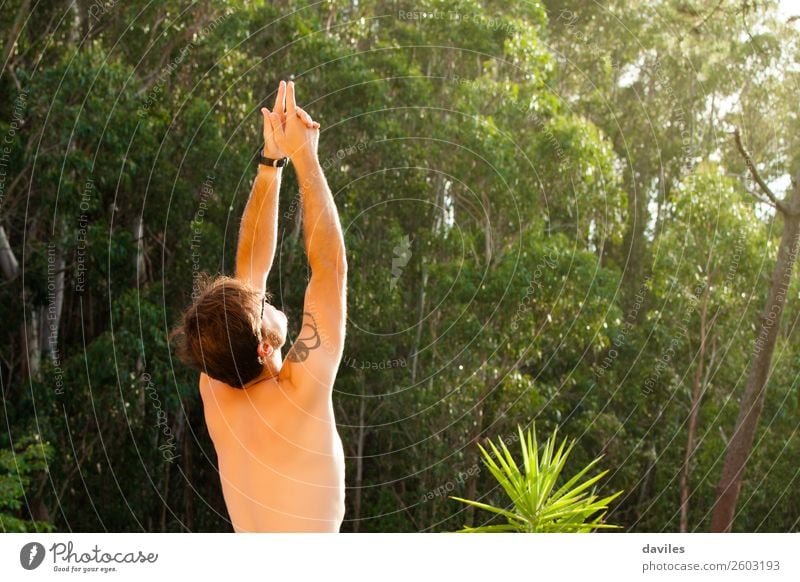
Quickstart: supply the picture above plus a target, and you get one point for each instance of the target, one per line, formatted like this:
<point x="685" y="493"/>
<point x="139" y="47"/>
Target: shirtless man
<point x="281" y="460"/>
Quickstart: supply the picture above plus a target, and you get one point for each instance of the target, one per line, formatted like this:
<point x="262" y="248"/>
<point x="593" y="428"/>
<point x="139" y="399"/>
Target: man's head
<point x="231" y="333"/>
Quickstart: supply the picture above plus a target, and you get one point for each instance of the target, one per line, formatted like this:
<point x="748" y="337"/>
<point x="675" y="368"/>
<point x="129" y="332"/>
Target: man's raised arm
<point x="259" y="230"/>
<point x="315" y="355"/>
<point x="258" y="233"/>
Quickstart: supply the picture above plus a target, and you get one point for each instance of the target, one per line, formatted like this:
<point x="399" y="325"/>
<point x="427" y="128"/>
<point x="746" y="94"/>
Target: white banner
<point x="406" y="557"/>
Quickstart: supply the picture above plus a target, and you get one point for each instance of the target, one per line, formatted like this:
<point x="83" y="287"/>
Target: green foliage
<point x="19" y="467"/>
<point x="537" y="506"/>
<point x="574" y="207"/>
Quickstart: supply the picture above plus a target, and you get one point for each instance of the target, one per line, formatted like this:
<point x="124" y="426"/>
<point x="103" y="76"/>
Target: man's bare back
<point x="281" y="460"/>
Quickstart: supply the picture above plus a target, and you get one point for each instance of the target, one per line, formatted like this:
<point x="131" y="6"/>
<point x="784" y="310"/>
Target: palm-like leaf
<point x="536" y="504"/>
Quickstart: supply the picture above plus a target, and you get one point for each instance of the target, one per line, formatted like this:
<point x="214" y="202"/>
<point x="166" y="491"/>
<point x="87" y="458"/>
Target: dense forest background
<point x="548" y="218"/>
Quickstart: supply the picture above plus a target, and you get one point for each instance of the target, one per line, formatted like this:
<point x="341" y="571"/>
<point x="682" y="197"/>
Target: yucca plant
<point x="536" y="505"/>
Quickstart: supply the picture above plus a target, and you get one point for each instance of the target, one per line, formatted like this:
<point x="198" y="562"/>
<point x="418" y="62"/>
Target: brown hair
<point x="220" y="332"/>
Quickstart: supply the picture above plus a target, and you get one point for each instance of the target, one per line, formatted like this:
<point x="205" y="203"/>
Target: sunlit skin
<point x="281" y="461"/>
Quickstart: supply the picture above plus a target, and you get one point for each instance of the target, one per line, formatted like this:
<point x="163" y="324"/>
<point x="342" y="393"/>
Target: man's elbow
<point x="341" y="265"/>
<point x="331" y="266"/>
<point x="334" y="262"/>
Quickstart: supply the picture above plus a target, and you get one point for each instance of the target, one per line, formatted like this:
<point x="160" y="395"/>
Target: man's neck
<point x="269" y="372"/>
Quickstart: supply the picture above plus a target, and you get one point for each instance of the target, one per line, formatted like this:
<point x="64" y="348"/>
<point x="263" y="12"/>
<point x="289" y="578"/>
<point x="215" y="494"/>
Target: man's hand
<point x="271" y="147"/>
<point x="296" y="133"/>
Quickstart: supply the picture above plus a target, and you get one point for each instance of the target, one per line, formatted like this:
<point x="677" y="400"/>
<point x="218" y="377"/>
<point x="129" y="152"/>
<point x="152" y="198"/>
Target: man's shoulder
<point x="217" y="396"/>
<point x="221" y="396"/>
<point x="294" y="375"/>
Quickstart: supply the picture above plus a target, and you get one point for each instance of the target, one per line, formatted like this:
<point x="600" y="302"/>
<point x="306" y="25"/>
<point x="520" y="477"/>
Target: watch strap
<point x="279" y="163"/>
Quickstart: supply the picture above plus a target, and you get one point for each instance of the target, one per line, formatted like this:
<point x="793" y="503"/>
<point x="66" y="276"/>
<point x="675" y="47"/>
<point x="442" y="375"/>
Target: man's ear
<point x="265" y="350"/>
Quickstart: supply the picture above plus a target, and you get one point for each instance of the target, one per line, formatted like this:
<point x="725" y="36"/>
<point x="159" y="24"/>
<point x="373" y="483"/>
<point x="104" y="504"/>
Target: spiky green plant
<point x="537" y="506"/>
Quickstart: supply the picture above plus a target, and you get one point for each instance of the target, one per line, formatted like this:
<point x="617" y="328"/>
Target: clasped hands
<point x="288" y="130"/>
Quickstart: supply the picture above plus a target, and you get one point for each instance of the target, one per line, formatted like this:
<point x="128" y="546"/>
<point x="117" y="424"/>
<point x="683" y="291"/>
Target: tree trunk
<point x="362" y="433"/>
<point x="473" y="456"/>
<point x="186" y="446"/>
<point x="741" y="441"/>
<point x="30" y="338"/>
<point x="418" y="334"/>
<point x="138" y="237"/>
<point x="697" y="396"/>
<point x="634" y="246"/>
<point x="8" y="260"/>
<point x="646" y="482"/>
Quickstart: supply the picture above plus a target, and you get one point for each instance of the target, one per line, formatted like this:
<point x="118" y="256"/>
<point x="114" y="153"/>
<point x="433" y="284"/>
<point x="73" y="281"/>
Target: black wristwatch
<point x="279" y="163"/>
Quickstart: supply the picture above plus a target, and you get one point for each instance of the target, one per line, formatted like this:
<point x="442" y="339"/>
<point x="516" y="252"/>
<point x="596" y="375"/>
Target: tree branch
<point x="708" y="16"/>
<point x="758" y="197"/>
<point x="13" y="33"/>
<point x="754" y="173"/>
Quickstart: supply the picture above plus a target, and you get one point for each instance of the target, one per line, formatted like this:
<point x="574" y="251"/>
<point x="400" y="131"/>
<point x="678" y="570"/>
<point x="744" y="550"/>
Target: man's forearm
<point x="323" y="231"/>
<point x="259" y="230"/>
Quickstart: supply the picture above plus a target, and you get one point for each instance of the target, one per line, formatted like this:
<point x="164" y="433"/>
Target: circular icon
<point x="31" y="555"/>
